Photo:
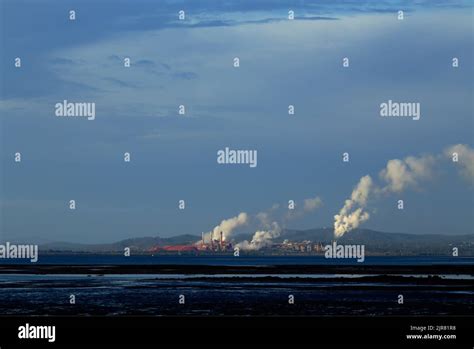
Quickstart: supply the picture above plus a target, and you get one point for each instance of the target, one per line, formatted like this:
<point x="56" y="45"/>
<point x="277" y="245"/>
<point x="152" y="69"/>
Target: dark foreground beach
<point x="237" y="290"/>
<point x="240" y="269"/>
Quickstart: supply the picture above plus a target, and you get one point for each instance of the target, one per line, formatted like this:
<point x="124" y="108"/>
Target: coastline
<point x="235" y="269"/>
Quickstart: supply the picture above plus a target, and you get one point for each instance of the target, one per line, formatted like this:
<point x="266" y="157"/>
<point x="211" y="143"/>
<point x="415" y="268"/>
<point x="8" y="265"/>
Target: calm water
<point x="236" y="261"/>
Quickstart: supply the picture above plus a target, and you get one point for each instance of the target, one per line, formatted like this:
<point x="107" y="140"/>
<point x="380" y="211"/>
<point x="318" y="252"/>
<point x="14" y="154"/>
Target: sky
<point x="190" y="63"/>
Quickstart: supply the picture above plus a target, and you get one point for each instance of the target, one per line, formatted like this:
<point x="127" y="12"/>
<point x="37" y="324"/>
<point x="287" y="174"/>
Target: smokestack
<point x="227" y="226"/>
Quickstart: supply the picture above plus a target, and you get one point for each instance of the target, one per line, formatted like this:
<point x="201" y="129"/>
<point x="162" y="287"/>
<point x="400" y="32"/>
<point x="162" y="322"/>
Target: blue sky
<point x="190" y="62"/>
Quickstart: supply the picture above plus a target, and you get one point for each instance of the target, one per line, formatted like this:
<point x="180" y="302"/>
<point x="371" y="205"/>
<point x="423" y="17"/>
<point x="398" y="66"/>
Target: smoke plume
<point x="309" y="205"/>
<point x="227" y="226"/>
<point x="463" y="156"/>
<point x="312" y="204"/>
<point x="261" y="238"/>
<point x="352" y="214"/>
<point x="401" y="174"/>
<point x="398" y="175"/>
<point x="270" y="227"/>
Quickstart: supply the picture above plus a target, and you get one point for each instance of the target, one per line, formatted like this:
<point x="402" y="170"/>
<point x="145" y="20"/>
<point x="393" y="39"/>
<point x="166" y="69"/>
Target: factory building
<point x="215" y="245"/>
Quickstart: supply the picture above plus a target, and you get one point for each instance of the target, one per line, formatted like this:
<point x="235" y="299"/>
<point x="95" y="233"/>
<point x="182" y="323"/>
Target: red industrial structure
<point x="214" y="245"/>
<point x="174" y="248"/>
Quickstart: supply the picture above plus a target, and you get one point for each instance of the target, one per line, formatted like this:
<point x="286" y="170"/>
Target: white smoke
<point x="465" y="159"/>
<point x="312" y="204"/>
<point x="270" y="226"/>
<point x="398" y="176"/>
<point x="264" y="218"/>
<point x="401" y="174"/>
<point x="309" y="205"/>
<point x="227" y="226"/>
<point x="352" y="214"/>
<point x="261" y="238"/>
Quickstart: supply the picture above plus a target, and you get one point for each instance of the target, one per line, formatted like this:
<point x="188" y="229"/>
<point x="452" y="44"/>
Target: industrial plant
<point x="220" y="245"/>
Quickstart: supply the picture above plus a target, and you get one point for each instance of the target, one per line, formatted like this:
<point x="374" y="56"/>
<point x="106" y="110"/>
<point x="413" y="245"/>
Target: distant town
<point x="217" y="246"/>
<point x="290" y="242"/>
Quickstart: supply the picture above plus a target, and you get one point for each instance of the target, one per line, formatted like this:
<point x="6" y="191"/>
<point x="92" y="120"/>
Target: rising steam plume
<point x="352" y="214"/>
<point x="227" y="226"/>
<point x="463" y="156"/>
<point x="261" y="238"/>
<point x="269" y="227"/>
<point x="396" y="177"/>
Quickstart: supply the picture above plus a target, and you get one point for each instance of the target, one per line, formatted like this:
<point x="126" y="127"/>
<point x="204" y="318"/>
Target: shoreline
<point x="235" y="269"/>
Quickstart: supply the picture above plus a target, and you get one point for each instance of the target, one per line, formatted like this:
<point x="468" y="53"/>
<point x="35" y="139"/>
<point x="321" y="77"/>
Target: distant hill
<point x="375" y="242"/>
<point x="141" y="244"/>
<point x="391" y="243"/>
<point x="368" y="236"/>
